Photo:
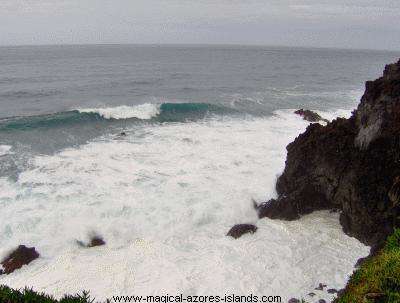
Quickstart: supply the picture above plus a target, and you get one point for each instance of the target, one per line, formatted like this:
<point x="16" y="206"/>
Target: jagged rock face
<point x="379" y="109"/>
<point x="350" y="164"/>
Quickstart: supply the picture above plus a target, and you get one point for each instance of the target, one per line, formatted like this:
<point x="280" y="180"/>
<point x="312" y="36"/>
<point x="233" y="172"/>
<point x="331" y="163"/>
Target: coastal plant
<point x="8" y="294"/>
<point x="378" y="279"/>
<point x="393" y="242"/>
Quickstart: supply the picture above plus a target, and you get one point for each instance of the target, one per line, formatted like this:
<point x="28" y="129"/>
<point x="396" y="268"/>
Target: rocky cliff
<point x="350" y="165"/>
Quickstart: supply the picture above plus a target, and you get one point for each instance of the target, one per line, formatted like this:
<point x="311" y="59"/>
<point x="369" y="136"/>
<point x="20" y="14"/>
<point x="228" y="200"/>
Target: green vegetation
<point x="378" y="279"/>
<point x="28" y="295"/>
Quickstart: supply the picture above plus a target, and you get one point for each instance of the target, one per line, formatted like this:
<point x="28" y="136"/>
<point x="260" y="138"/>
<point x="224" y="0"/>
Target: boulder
<point x="351" y="165"/>
<point x="240" y="229"/>
<point x="21" y="256"/>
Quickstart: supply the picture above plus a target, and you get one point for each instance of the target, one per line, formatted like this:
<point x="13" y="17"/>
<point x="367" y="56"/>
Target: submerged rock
<point x="21" y="256"/>
<point x="240" y="229"/>
<point x="351" y="165"/>
<point x="95" y="241"/>
<point x="320" y="287"/>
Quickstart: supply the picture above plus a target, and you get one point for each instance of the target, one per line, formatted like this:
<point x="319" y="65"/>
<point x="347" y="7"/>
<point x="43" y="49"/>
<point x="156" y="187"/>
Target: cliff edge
<point x="350" y="165"/>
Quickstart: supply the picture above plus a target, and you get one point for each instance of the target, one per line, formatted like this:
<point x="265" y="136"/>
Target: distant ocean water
<point x="205" y="130"/>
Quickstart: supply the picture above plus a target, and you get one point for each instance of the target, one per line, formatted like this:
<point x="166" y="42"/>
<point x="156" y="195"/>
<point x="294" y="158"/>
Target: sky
<point x="356" y="24"/>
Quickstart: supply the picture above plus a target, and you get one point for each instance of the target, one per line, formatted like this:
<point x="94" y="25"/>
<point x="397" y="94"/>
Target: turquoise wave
<point x="169" y="112"/>
<point x="52" y="120"/>
<point x="181" y="112"/>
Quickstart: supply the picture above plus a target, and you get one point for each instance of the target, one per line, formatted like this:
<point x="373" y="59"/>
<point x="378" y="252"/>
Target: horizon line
<point x="203" y="44"/>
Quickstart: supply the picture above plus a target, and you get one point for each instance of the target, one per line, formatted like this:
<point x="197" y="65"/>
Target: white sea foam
<point x="163" y="198"/>
<point x="143" y="111"/>
<point x="5" y="149"/>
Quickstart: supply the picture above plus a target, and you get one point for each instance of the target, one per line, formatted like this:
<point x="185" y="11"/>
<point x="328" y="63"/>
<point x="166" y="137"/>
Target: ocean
<point x="160" y="150"/>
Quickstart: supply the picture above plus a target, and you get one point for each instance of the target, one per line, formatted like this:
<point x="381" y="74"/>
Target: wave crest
<point x="143" y="111"/>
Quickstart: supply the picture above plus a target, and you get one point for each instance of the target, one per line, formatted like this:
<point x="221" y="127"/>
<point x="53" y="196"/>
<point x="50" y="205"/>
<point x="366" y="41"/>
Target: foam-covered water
<point x="163" y="198"/>
<point x="161" y="165"/>
<point x="5" y="149"/>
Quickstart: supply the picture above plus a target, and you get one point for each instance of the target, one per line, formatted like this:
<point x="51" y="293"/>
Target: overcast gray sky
<point x="363" y="24"/>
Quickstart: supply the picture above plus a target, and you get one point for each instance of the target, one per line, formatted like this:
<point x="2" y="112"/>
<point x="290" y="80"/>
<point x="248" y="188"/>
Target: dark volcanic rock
<point x="21" y="256"/>
<point x="320" y="287"/>
<point x="240" y="229"/>
<point x="310" y="115"/>
<point x="95" y="241"/>
<point x="350" y="164"/>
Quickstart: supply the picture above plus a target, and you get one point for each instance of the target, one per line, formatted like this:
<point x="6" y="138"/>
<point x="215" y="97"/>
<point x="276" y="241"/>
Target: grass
<point x="378" y="279"/>
<point x="9" y="295"/>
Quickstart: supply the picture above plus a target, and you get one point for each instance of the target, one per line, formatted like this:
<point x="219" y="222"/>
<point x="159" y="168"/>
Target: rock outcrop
<point x="310" y="115"/>
<point x="21" y="256"/>
<point x="351" y="165"/>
